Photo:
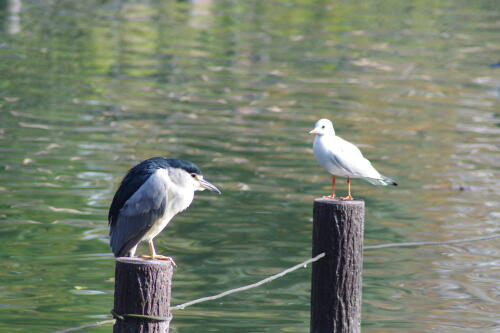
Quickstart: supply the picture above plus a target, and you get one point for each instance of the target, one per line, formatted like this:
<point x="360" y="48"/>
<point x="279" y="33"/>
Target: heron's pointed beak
<point x="314" y="131"/>
<point x="209" y="186"/>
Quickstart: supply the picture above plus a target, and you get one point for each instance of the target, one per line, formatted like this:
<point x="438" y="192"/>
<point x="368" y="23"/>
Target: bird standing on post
<point x="149" y="196"/>
<point x="341" y="158"/>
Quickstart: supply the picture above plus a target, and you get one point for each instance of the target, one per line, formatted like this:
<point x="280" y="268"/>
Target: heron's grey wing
<point x="138" y="215"/>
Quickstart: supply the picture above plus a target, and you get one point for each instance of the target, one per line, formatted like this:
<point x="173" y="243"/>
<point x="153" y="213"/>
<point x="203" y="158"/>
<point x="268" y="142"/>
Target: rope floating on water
<point x="453" y="241"/>
<point x="74" y="329"/>
<point x="319" y="256"/>
<point x="250" y="286"/>
<point x="286" y="271"/>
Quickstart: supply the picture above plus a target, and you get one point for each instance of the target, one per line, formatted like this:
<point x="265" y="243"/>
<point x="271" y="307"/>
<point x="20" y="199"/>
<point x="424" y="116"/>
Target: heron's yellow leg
<point x="153" y="254"/>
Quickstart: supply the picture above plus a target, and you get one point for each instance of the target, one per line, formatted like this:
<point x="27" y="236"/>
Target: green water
<point x="89" y="88"/>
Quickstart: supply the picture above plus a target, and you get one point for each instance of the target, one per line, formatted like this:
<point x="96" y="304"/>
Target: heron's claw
<point x="160" y="257"/>
<point x="349" y="197"/>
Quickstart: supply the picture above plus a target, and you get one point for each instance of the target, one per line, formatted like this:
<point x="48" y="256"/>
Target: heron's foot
<point x="331" y="196"/>
<point x="160" y="257"/>
<point x="349" y="197"/>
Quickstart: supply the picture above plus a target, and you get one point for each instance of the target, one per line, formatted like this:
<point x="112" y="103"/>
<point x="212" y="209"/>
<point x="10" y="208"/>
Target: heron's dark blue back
<point x="138" y="175"/>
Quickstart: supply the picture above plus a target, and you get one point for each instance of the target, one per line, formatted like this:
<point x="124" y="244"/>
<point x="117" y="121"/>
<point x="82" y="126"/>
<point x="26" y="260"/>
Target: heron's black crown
<point x="180" y="164"/>
<point x="138" y="175"/>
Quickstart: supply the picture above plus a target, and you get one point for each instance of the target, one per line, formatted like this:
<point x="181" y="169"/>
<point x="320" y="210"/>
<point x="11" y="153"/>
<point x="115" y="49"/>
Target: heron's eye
<point x="193" y="175"/>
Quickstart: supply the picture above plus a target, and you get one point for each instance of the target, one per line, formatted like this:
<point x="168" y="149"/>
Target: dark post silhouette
<point x="336" y="279"/>
<point x="142" y="295"/>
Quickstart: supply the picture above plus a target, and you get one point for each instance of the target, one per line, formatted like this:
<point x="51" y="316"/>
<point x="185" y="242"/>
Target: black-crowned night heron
<point x="341" y="158"/>
<point x="149" y="196"/>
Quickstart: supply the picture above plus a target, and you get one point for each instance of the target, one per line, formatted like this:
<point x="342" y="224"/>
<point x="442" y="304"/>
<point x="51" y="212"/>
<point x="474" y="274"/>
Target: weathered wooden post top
<point x="336" y="279"/>
<point x="142" y="295"/>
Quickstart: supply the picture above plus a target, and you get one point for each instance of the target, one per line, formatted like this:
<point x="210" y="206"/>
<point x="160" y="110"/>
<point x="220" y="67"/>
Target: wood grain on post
<point x="142" y="287"/>
<point x="337" y="278"/>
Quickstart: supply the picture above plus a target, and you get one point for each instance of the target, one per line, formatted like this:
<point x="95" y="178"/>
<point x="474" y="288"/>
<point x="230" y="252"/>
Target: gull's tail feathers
<point x="383" y="180"/>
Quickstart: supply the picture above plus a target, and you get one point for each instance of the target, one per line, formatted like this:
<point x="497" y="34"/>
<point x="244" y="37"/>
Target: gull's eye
<point x="323" y="126"/>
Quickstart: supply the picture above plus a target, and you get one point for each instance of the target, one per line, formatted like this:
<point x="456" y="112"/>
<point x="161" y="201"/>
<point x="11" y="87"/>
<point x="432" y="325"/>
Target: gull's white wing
<point x="348" y="157"/>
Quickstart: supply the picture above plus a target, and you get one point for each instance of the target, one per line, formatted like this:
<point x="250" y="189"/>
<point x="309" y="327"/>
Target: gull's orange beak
<point x="314" y="131"/>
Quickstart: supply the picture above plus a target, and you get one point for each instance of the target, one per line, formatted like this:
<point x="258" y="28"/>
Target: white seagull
<point x="341" y="158"/>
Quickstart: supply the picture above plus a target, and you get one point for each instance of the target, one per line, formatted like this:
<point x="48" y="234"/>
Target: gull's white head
<point x="322" y="127"/>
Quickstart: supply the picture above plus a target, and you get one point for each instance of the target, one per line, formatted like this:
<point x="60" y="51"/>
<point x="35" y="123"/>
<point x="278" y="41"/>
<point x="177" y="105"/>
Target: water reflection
<point x="10" y="18"/>
<point x="89" y="88"/>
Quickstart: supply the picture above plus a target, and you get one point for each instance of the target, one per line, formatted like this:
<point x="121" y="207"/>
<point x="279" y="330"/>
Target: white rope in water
<point x="250" y="286"/>
<point x="453" y="241"/>
<point x="291" y="269"/>
<point x="74" y="329"/>
<point x="319" y="256"/>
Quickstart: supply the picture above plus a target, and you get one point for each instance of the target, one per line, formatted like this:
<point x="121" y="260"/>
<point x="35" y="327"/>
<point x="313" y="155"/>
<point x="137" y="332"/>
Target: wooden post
<point x="142" y="287"/>
<point x="336" y="279"/>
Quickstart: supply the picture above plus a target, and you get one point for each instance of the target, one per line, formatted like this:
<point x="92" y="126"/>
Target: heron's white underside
<point x="178" y="198"/>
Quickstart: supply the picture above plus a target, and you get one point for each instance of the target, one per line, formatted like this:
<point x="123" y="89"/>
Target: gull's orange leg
<point x="349" y="196"/>
<point x="331" y="196"/>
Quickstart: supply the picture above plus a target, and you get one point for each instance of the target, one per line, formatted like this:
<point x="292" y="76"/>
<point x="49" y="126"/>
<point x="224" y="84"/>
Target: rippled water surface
<point x="89" y="88"/>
